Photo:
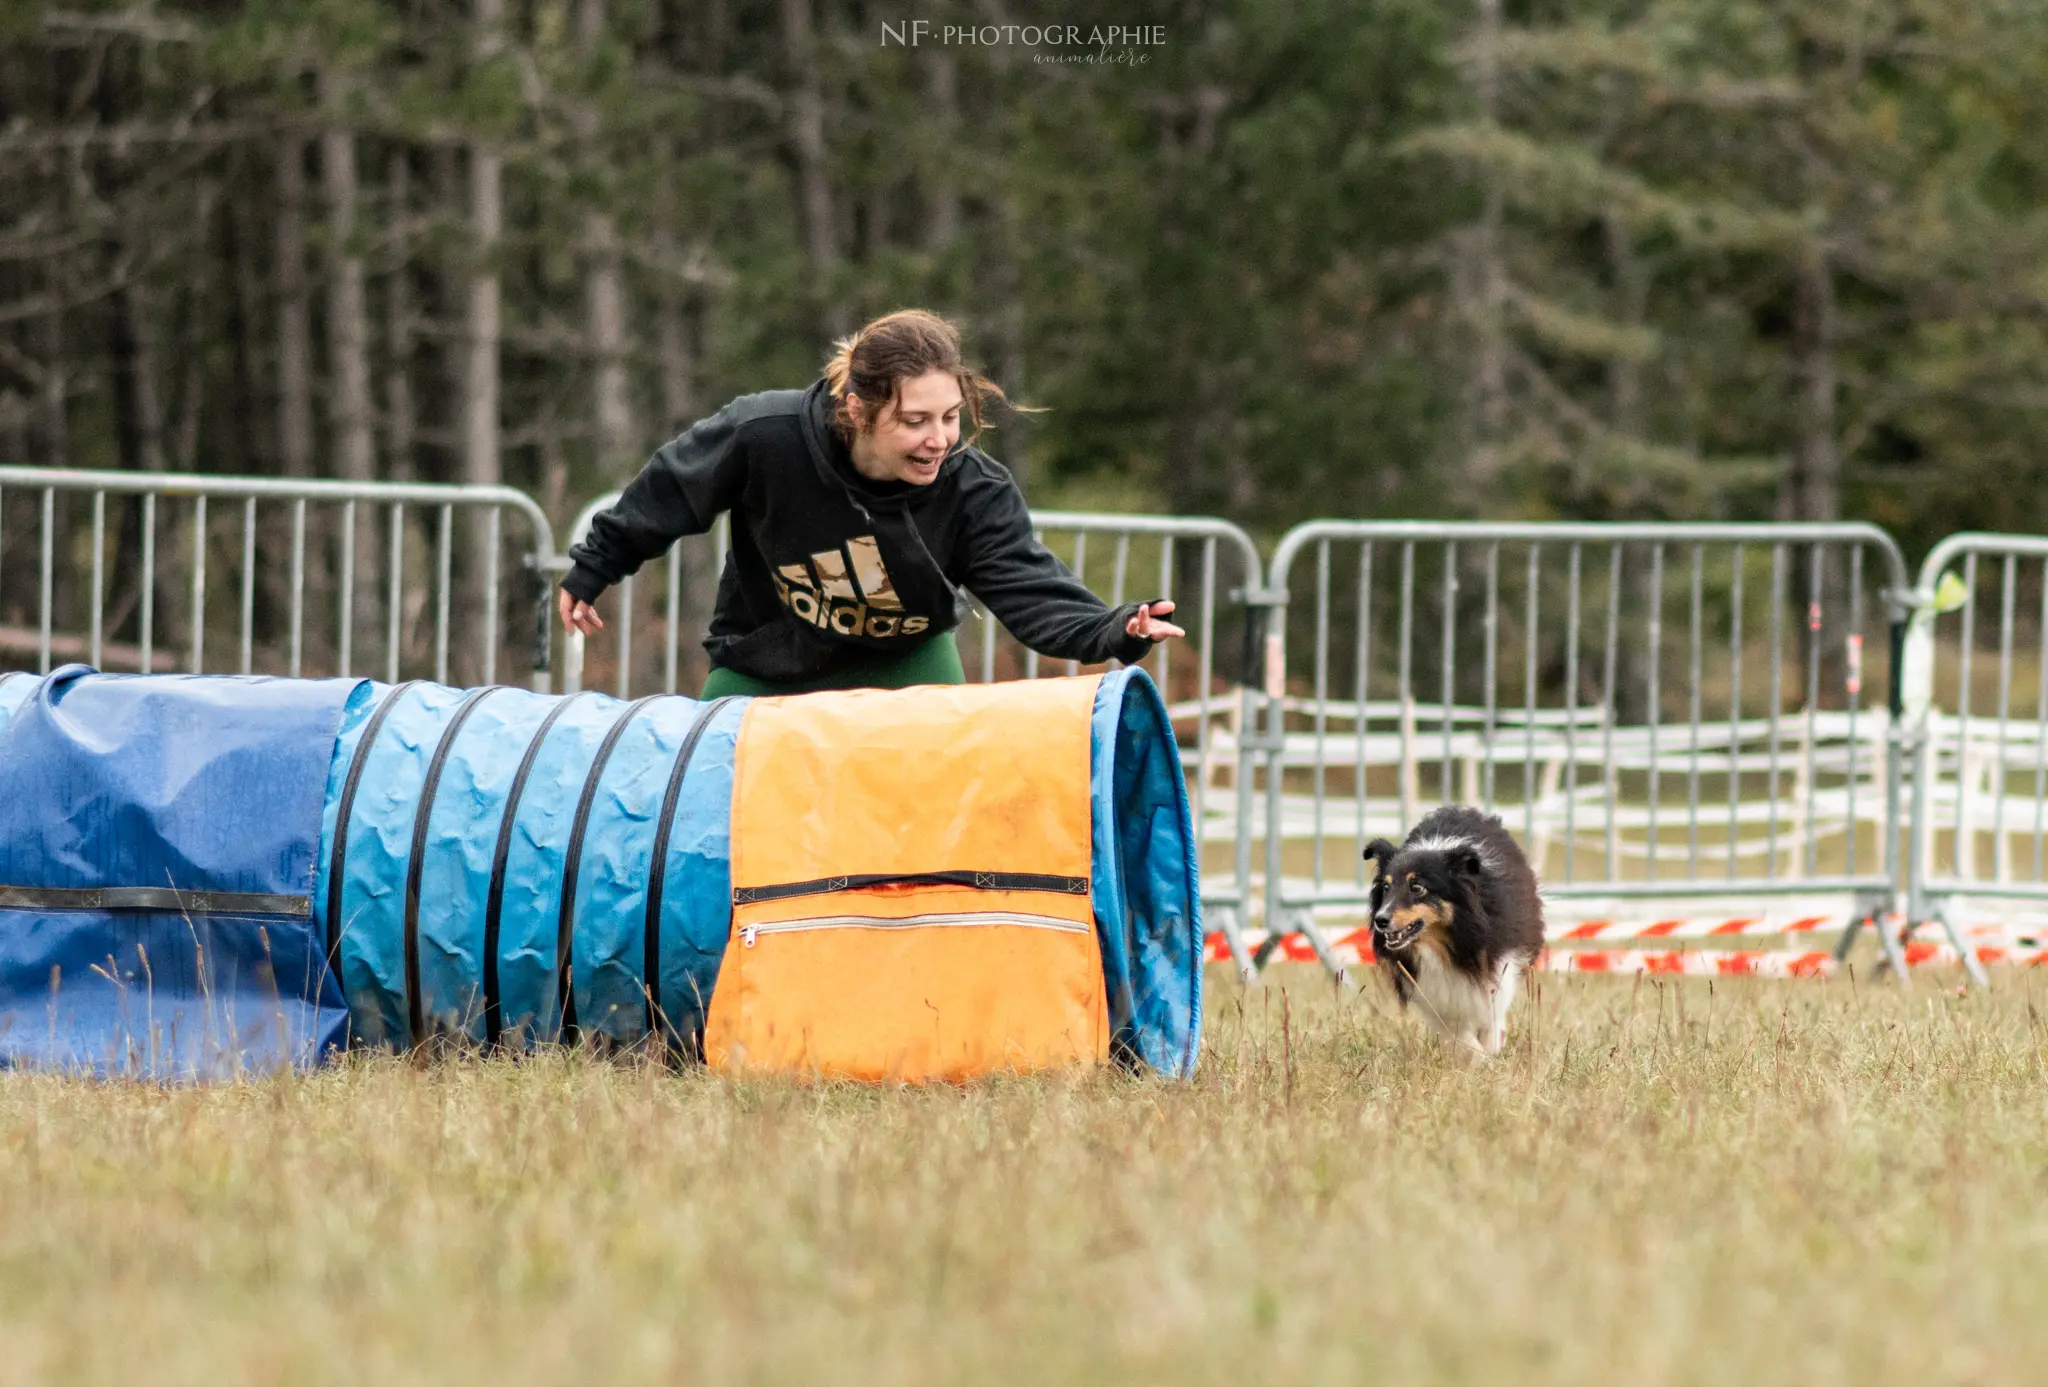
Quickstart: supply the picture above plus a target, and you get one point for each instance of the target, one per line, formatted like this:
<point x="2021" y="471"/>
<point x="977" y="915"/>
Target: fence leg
<point x="1303" y="922"/>
<point x="1241" y="846"/>
<point x="1894" y="956"/>
<point x="1230" y="919"/>
<point x="1907" y="705"/>
<point x="1847" y="939"/>
<point x="542" y="568"/>
<point x="1265" y="669"/>
<point x="1972" y="966"/>
<point x="1305" y="925"/>
<point x="1876" y="914"/>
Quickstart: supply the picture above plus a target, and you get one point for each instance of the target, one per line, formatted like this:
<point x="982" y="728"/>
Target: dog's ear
<point x="1381" y="851"/>
<point x="1466" y="862"/>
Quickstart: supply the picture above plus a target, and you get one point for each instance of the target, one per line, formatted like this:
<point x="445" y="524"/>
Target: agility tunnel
<point x="207" y="875"/>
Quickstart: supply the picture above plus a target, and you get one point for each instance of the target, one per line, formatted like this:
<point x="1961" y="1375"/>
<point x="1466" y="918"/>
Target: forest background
<point x="1742" y="259"/>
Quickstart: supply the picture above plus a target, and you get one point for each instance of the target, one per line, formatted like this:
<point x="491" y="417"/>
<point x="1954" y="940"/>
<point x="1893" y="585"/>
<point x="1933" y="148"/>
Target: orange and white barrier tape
<point x="1709" y="928"/>
<point x="1693" y="963"/>
<point x="1994" y="943"/>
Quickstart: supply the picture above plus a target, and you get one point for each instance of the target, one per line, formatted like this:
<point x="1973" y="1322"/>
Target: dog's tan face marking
<point x="1435" y="915"/>
<point x="1414" y="913"/>
<point x="1421" y="920"/>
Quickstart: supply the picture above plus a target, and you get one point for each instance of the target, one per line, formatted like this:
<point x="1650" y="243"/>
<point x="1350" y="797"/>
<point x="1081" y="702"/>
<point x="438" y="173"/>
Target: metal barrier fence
<point x="1623" y="695"/>
<point x="1977" y="726"/>
<point x="1206" y="565"/>
<point x="1659" y="712"/>
<point x="673" y="616"/>
<point x="303" y="559"/>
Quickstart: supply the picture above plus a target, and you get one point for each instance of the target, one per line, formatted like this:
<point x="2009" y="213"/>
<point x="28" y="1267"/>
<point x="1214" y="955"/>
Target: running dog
<point x="1456" y="919"/>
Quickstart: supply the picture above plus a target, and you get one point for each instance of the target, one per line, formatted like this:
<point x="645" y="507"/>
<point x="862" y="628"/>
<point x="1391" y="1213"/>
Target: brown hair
<point x="900" y="346"/>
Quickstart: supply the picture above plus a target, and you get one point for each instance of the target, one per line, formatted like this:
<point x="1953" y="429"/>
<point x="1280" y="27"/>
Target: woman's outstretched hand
<point x="1146" y="623"/>
<point x="578" y="615"/>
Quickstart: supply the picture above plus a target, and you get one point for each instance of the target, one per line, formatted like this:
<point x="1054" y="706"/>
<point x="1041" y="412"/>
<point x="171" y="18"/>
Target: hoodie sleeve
<point x="1033" y="594"/>
<point x="680" y="491"/>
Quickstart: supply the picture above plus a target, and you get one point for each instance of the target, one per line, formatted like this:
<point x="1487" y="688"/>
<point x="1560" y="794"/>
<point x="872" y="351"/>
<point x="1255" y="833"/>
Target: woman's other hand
<point x="1146" y="623"/>
<point x="578" y="615"/>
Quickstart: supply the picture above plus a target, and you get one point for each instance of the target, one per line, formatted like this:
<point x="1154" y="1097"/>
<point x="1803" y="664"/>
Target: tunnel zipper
<point x="748" y="933"/>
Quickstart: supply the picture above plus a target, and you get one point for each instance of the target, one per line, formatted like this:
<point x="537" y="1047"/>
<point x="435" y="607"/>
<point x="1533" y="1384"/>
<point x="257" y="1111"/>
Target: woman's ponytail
<point x="839" y="370"/>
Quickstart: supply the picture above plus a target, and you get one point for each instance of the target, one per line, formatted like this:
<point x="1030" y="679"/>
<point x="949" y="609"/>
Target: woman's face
<point x="913" y="436"/>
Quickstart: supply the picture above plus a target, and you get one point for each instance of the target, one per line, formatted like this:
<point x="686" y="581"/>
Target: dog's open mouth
<point x="1399" y="937"/>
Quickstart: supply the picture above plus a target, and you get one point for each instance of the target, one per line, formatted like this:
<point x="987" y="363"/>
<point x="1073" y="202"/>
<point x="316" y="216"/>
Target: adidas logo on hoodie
<point x="846" y="590"/>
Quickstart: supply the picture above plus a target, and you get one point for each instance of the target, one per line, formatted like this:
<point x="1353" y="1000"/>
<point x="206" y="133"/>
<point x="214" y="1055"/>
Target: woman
<point x="859" y="516"/>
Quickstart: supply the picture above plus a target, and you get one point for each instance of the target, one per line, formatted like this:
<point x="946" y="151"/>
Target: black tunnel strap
<point x="415" y="1007"/>
<point x="494" y="901"/>
<point x="657" y="876"/>
<point x="154" y="898"/>
<point x="978" y="880"/>
<point x="358" y="763"/>
<point x="572" y="862"/>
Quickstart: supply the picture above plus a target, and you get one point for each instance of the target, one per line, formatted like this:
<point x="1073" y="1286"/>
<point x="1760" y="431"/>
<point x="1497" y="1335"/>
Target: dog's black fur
<point x="1456" y="900"/>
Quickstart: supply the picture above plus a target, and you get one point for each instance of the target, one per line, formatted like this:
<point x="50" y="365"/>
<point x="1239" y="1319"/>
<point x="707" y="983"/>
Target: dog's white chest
<point x="1465" y="1010"/>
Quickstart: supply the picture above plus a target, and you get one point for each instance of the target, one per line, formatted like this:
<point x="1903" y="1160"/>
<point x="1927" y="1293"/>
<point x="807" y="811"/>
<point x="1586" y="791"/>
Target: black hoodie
<point x="826" y="564"/>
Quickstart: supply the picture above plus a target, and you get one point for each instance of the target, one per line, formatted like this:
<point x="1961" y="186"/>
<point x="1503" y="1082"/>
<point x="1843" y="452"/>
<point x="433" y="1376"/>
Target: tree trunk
<point x="294" y="320"/>
<point x="243" y="281"/>
<point x="348" y="367"/>
<point x="139" y="433"/>
<point x="481" y="464"/>
<point x="681" y="407"/>
<point x="942" y="218"/>
<point x="13" y="434"/>
<point x="1811" y="489"/>
<point x="56" y="401"/>
<point x="195" y="324"/>
<point x="1624" y="372"/>
<point x="1006" y="342"/>
<point x="138" y="409"/>
<point x="675" y="346"/>
<point x="481" y="329"/>
<point x="348" y="331"/>
<point x="678" y="365"/>
<point x="1818" y="590"/>
<point x="1488" y="272"/>
<point x="191" y="348"/>
<point x="616" y="435"/>
<point x="400" y="419"/>
<point x="443" y="288"/>
<point x="294" y="377"/>
<point x="253" y="412"/>
<point x="56" y="410"/>
<point x="718" y="123"/>
<point x="814" y="173"/>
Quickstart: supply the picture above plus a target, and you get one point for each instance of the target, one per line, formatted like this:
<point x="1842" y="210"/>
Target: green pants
<point x="935" y="661"/>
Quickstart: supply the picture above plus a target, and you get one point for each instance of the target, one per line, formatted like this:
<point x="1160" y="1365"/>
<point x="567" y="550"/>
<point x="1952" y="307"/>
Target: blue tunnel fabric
<point x="464" y="825"/>
<point x="1148" y="904"/>
<point x="15" y="690"/>
<point x="207" y="787"/>
<point x="509" y="772"/>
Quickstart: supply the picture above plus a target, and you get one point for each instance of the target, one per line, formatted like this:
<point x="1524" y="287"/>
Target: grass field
<point x="1808" y="1183"/>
